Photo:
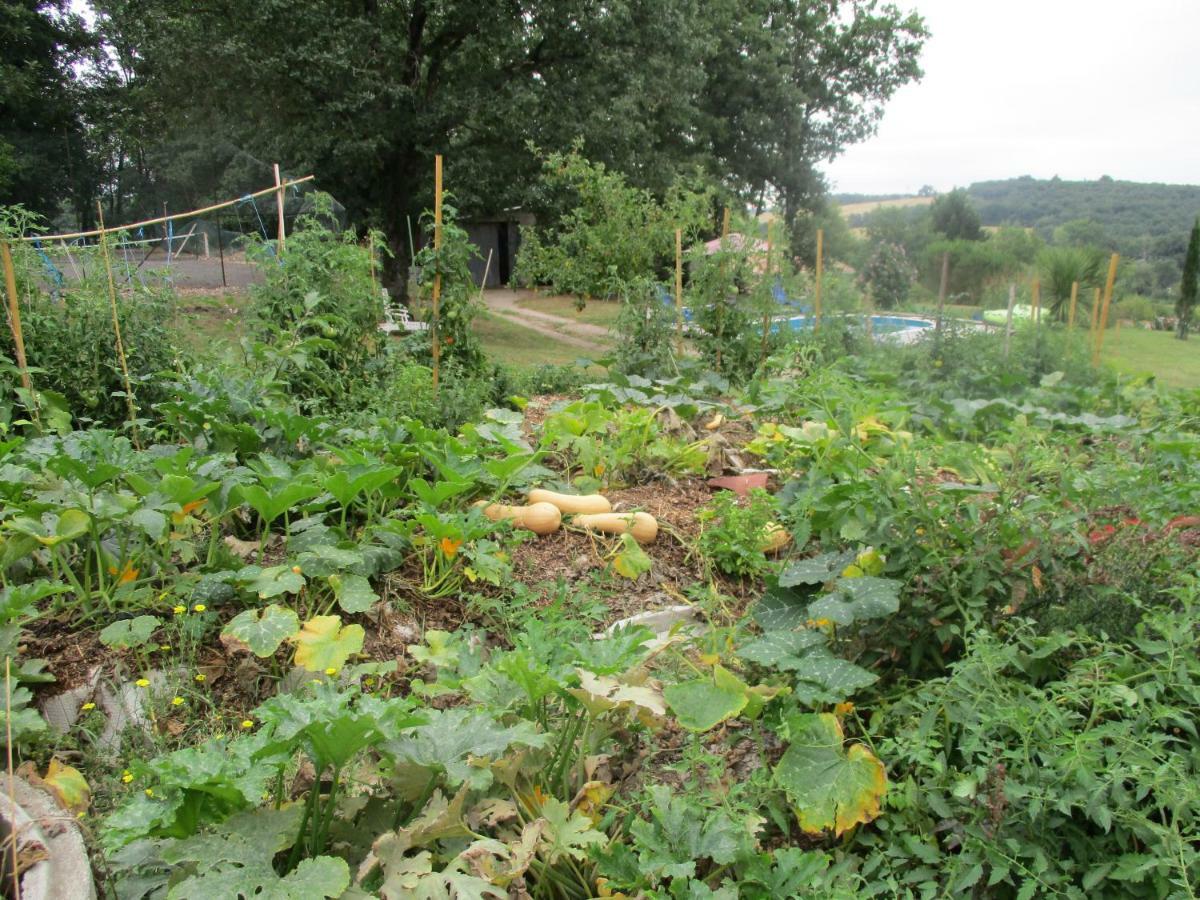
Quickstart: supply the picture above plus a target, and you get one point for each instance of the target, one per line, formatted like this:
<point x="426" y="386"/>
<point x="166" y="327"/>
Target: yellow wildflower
<point x="142" y="683"/>
<point x="177" y="701"/>
<point x="199" y="607"/>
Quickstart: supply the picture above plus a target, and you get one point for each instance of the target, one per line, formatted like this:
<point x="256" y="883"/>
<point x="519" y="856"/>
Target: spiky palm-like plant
<point x="1060" y="267"/>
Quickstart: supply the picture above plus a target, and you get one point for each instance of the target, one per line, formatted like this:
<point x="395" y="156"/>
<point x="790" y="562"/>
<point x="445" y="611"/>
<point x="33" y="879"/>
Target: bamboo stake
<point x="679" y="291"/>
<point x="112" y="298"/>
<point x="1108" y="290"/>
<point x="721" y="321"/>
<point x="1095" y="320"/>
<point x="279" y="205"/>
<point x="942" y="289"/>
<point x="437" y="277"/>
<point x="14" y="316"/>
<point x="1074" y="298"/>
<point x="766" y="322"/>
<point x="817" y="285"/>
<point x="187" y="215"/>
<point x="1036" y="317"/>
<point x="1012" y="298"/>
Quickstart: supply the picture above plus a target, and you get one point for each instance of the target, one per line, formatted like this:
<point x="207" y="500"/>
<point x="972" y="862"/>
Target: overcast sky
<point x="1074" y="88"/>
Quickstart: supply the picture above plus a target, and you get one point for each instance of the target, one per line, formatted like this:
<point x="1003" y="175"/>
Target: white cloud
<point x="1040" y="87"/>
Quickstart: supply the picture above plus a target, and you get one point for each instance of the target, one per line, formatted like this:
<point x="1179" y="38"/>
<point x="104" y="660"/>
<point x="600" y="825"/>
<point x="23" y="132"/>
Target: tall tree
<point x="954" y="216"/>
<point x="1185" y="306"/>
<point x="365" y="92"/>
<point x="42" y="160"/>
<point x="792" y="83"/>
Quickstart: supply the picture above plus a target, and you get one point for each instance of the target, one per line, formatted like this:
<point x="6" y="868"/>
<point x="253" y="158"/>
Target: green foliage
<point x="457" y="303"/>
<point x="734" y="533"/>
<point x="316" y="312"/>
<point x="604" y="237"/>
<point x="1059" y="268"/>
<point x="645" y="330"/>
<point x="1057" y="761"/>
<point x="888" y="276"/>
<point x="954" y="217"/>
<point x="1189" y="287"/>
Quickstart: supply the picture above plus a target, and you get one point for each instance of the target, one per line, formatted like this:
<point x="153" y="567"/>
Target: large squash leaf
<point x="831" y="789"/>
<point x="260" y="631"/>
<point x="704" y="703"/>
<point x="324" y="643"/>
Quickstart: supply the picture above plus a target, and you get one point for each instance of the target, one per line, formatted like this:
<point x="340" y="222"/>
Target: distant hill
<point x="1141" y="219"/>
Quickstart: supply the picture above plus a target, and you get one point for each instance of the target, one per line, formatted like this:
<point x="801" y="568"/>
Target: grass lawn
<point x="1135" y="351"/>
<point x="516" y="345"/>
<point x="597" y="312"/>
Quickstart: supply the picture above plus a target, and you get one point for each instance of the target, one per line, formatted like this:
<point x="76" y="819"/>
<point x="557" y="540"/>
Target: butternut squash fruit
<point x="540" y="518"/>
<point x="774" y="538"/>
<point x="572" y="503"/>
<point x="643" y="526"/>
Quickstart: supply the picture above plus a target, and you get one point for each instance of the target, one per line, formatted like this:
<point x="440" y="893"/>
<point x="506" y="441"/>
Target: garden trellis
<point x="41" y="241"/>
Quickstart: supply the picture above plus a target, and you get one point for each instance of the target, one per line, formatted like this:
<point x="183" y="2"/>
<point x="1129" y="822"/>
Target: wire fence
<point x="200" y="249"/>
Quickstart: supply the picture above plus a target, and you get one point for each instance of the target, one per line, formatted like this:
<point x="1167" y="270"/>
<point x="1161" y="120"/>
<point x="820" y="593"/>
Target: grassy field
<point x="1135" y="352"/>
<point x="597" y="312"/>
<point x="857" y="209"/>
<point x="515" y="345"/>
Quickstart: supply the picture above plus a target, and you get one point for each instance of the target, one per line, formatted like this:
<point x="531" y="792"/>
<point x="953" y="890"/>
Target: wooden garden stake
<point x="279" y="205"/>
<point x="1108" y="291"/>
<point x="112" y="299"/>
<point x="437" y="275"/>
<point x="942" y="288"/>
<point x="14" y="314"/>
<point x="766" y="323"/>
<point x="1095" y="321"/>
<point x="679" y="290"/>
<point x="1074" y="298"/>
<point x="1012" y="298"/>
<point x="1037" y="302"/>
<point x="721" y="321"/>
<point x="817" y="283"/>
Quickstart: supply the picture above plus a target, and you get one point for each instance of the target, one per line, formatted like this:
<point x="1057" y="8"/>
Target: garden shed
<point x="499" y="234"/>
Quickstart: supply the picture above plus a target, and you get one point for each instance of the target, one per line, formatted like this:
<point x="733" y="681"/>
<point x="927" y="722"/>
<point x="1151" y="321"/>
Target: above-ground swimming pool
<point x="906" y="326"/>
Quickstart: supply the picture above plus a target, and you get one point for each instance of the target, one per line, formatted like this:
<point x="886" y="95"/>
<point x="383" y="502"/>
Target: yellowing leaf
<point x="830" y="789"/>
<point x="324" y="643"/>
<point x="601" y="693"/>
<point x="69" y="786"/>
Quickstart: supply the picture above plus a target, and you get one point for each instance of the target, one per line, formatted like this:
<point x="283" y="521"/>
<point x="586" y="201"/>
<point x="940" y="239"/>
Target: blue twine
<point x="55" y="275"/>
<point x="263" y="226"/>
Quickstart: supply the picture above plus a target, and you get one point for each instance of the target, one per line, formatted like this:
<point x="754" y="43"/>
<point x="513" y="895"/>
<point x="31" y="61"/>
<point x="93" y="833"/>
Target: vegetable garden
<point x="273" y="627"/>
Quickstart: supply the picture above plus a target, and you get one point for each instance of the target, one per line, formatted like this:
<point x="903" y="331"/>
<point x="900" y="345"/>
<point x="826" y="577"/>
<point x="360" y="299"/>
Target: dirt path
<point x="503" y="302"/>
